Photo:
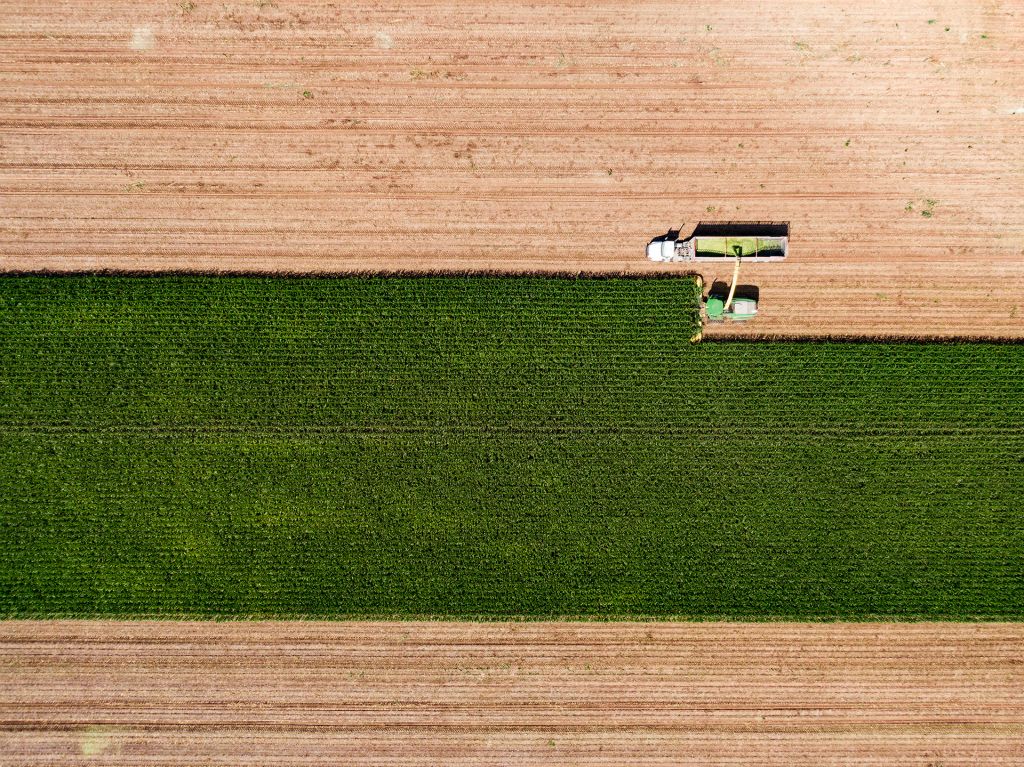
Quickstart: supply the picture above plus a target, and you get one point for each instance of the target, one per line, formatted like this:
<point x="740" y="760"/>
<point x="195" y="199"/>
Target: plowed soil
<point x="437" y="135"/>
<point x="536" y="693"/>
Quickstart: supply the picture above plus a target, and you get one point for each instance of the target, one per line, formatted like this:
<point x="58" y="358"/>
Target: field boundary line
<point x="290" y="274"/>
<point x="738" y="618"/>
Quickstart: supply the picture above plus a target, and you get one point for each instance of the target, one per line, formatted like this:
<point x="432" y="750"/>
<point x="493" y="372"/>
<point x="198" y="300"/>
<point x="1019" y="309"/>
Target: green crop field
<point x="495" y="447"/>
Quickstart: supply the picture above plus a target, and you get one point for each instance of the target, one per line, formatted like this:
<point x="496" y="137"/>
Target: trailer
<point x="757" y="241"/>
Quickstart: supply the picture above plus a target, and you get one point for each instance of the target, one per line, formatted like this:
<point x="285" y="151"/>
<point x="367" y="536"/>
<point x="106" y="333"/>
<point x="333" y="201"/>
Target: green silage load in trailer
<point x="730" y="247"/>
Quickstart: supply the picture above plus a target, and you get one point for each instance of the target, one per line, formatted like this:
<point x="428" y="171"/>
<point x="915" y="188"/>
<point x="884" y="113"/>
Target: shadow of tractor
<point x="720" y="289"/>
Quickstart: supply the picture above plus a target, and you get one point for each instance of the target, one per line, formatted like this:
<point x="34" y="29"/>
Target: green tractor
<point x="742" y="309"/>
<point x="717" y="308"/>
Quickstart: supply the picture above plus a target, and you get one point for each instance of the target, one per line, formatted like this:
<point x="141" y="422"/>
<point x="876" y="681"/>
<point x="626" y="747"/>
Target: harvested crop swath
<point x="488" y="446"/>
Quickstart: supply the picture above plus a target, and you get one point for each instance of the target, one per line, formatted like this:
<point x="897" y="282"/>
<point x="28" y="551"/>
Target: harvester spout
<point x="732" y="288"/>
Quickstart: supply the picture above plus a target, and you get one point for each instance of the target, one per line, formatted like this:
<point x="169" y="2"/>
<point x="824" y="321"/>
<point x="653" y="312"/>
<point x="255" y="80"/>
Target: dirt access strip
<point x="409" y="693"/>
<point x="440" y="135"/>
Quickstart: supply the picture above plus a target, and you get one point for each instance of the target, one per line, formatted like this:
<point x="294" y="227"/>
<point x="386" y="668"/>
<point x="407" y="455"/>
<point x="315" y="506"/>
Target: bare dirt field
<point x="296" y="136"/>
<point x="534" y="693"/>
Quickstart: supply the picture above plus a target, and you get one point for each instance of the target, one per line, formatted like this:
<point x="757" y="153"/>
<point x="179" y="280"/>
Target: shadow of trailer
<point x="719" y="241"/>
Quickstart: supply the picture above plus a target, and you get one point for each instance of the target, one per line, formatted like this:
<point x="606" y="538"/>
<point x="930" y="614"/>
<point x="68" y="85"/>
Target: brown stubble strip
<point x="109" y="692"/>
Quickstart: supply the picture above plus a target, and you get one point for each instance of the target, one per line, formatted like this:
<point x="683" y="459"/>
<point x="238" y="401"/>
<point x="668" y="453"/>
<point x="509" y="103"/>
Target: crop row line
<point x="903" y="431"/>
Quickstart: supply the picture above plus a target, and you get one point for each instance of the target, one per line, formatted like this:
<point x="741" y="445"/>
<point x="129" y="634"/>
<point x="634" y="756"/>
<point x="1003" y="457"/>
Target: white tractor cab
<point x="757" y="241"/>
